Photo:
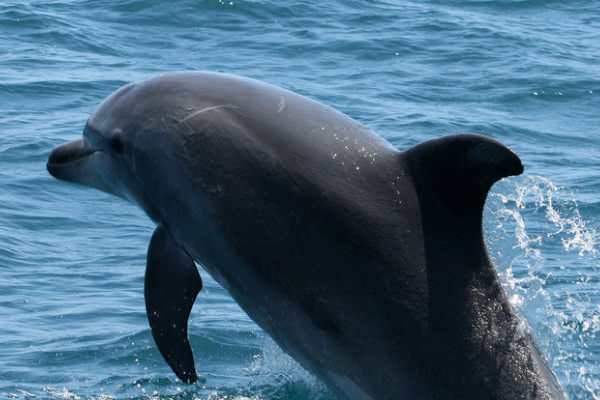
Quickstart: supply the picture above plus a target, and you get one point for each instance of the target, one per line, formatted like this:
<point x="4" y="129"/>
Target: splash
<point x="560" y="209"/>
<point x="277" y="376"/>
<point x="66" y="394"/>
<point x="216" y="396"/>
<point x="548" y="260"/>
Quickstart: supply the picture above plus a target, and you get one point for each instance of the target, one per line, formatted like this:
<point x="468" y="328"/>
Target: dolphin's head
<point x="128" y="130"/>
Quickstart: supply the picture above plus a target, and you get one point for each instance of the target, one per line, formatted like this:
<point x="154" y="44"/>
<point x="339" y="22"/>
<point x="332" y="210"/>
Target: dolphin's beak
<point x="64" y="159"/>
<point x="80" y="162"/>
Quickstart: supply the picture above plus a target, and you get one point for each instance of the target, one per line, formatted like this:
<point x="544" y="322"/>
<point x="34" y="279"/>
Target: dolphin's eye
<point x="116" y="143"/>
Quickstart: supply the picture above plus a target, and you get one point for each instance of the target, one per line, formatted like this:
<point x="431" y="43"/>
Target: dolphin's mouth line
<point x="69" y="158"/>
<point x="65" y="160"/>
<point x="70" y="153"/>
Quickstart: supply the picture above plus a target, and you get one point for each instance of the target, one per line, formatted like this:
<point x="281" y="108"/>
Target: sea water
<point x="524" y="72"/>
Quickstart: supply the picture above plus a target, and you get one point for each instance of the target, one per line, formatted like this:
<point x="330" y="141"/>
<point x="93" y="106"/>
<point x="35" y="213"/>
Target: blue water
<point x="525" y="72"/>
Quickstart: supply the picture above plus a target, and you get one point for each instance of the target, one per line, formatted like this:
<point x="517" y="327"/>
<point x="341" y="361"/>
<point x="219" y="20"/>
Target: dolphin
<point x="365" y="263"/>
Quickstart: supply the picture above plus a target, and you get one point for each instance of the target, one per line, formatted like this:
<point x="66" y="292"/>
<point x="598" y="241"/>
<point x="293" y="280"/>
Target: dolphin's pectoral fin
<point x="171" y="285"/>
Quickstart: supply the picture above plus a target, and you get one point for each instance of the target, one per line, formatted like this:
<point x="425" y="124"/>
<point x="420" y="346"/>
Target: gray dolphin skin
<point x="364" y="263"/>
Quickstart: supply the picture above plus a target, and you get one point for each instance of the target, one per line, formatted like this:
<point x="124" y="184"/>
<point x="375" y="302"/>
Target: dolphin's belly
<point x="313" y="286"/>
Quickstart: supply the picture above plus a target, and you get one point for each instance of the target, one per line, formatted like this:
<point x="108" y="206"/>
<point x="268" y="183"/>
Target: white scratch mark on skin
<point x="193" y="114"/>
<point x="281" y="104"/>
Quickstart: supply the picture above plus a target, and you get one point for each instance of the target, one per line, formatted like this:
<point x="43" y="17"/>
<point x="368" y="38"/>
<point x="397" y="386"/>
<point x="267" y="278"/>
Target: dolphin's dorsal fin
<point x="459" y="170"/>
<point x="171" y="285"/>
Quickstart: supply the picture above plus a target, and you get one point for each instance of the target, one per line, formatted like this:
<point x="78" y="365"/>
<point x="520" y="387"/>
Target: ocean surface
<point x="72" y="259"/>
